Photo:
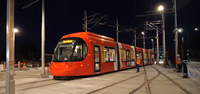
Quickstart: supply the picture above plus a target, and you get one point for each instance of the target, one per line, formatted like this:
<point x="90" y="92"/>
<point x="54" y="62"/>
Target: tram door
<point x="97" y="64"/>
<point x="128" y="58"/>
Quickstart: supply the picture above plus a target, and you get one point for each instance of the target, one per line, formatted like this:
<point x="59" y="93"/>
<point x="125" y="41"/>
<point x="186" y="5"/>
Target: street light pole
<point x="164" y="46"/>
<point x="117" y="29"/>
<point x="175" y="31"/>
<point x="161" y="8"/>
<point x="85" y="20"/>
<point x="188" y="48"/>
<point x="157" y="37"/>
<point x="43" y="38"/>
<point x="10" y="82"/>
<point x="135" y="37"/>
<point x="143" y="40"/>
<point x="43" y="75"/>
<point x="152" y="44"/>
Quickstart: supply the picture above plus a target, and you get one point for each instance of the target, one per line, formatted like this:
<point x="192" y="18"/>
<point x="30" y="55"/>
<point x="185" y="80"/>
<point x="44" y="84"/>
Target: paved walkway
<point x="122" y="82"/>
<point x="194" y="69"/>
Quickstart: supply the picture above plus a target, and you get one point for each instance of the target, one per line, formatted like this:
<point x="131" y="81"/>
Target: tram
<point x="86" y="53"/>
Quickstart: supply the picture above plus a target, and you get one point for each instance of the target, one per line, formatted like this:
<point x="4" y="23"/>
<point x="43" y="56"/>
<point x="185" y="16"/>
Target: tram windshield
<point x="67" y="50"/>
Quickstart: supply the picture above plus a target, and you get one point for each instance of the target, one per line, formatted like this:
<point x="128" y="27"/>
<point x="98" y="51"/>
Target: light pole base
<point x="10" y="87"/>
<point x="43" y="76"/>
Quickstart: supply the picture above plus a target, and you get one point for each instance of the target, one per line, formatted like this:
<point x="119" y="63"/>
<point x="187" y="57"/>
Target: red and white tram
<point x="86" y="53"/>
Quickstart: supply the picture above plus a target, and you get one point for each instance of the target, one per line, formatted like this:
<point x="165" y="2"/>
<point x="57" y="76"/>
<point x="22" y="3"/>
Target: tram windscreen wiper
<point x="73" y="49"/>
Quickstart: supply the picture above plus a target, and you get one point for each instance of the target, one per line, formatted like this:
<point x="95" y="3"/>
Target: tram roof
<point x="79" y="34"/>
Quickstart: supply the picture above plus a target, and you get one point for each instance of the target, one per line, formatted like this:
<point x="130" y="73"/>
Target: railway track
<point x="146" y="82"/>
<point x="113" y="84"/>
<point x="148" y="86"/>
<point x="133" y="91"/>
<point x="184" y="89"/>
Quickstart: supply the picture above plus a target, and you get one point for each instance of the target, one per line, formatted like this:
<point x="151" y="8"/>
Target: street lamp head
<point x="180" y="30"/>
<point x="15" y="30"/>
<point x="142" y="33"/>
<point x="196" y="29"/>
<point x="161" y="8"/>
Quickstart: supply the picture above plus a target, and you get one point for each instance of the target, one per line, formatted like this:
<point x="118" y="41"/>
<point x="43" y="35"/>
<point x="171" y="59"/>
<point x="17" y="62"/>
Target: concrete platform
<point x="194" y="69"/>
<point x="122" y="82"/>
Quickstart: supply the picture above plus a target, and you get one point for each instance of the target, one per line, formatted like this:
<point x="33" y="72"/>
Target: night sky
<point x="63" y="17"/>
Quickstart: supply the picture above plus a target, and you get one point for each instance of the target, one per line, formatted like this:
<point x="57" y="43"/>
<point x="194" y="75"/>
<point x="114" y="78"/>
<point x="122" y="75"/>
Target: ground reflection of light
<point x="160" y="62"/>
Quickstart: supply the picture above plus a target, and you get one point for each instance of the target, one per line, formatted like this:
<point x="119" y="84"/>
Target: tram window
<point x="145" y="56"/>
<point x="132" y="55"/>
<point x="140" y="55"/>
<point x="63" y="52"/>
<point x="96" y="54"/>
<point x="148" y="55"/>
<point x="84" y="50"/>
<point x="128" y="55"/>
<point x="123" y="55"/>
<point x="112" y="54"/>
<point x="107" y="54"/>
<point x="103" y="53"/>
<point x="75" y="51"/>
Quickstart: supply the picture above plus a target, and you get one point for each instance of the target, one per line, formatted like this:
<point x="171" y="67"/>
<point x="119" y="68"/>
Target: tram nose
<point x="58" y="66"/>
